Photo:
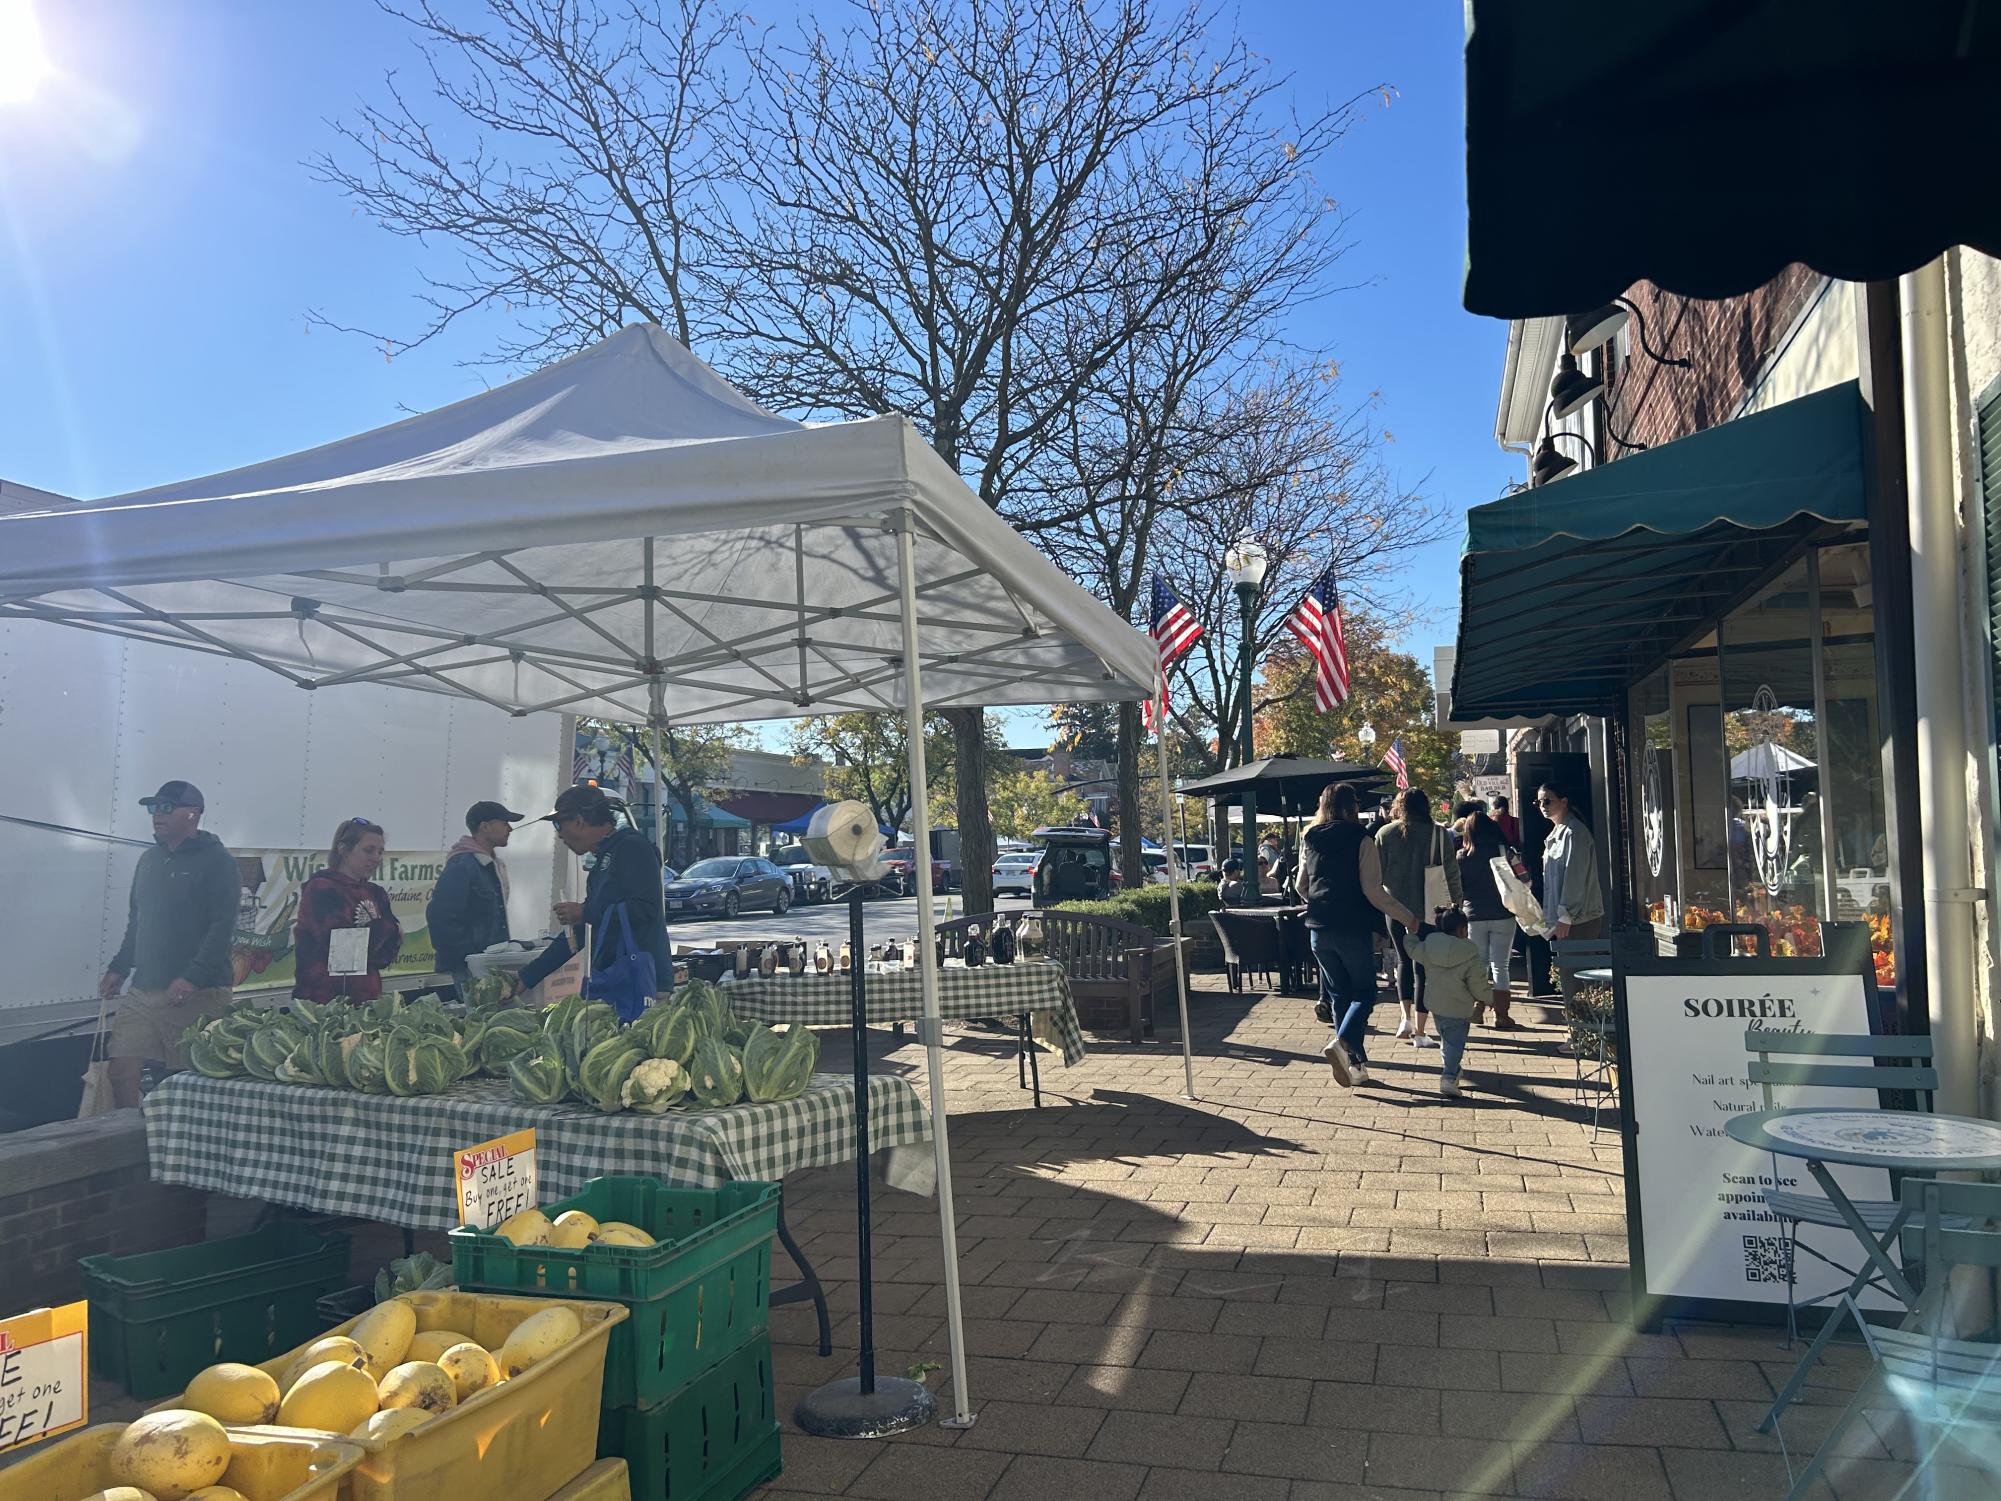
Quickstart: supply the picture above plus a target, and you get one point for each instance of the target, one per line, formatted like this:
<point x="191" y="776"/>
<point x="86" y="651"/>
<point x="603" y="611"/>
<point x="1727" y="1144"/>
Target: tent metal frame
<point x="820" y="681"/>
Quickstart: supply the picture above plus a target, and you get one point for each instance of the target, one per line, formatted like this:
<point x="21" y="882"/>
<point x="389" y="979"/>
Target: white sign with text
<point x="1705" y="1231"/>
<point x="496" y="1180"/>
<point x="44" y="1385"/>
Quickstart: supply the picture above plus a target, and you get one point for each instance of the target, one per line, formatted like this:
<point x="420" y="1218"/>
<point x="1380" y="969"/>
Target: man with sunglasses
<point x="180" y="925"/>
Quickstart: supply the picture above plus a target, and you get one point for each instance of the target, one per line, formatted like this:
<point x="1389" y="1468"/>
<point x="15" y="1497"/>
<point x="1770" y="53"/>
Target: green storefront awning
<point x="1572" y="590"/>
<point x="1704" y="145"/>
<point x="707" y="816"/>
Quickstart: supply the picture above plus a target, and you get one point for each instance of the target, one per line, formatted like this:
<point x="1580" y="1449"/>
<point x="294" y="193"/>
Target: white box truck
<point x="91" y="723"/>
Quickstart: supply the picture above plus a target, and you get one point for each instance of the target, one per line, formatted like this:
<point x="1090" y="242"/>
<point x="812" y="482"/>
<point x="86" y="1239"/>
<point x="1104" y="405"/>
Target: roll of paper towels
<point x="844" y="837"/>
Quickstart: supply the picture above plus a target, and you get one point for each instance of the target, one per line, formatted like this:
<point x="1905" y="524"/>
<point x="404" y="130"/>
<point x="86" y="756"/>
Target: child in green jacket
<point x="1456" y="984"/>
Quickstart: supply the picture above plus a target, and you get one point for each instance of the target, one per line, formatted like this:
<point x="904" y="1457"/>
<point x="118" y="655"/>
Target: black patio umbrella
<point x="1287" y="785"/>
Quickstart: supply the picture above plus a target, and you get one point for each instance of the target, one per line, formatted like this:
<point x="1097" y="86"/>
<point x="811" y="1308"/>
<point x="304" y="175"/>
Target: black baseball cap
<point x="174" y="795"/>
<point x="480" y="812"/>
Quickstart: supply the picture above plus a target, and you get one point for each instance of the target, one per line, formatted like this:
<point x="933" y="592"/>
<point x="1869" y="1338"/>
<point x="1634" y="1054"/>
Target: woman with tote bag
<point x="1421" y="870"/>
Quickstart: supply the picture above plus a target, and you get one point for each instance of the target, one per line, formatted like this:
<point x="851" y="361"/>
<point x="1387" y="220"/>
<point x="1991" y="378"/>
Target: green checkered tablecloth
<point x="963" y="994"/>
<point x="389" y="1158"/>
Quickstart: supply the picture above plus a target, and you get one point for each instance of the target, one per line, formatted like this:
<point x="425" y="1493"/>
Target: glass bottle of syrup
<point x="973" y="949"/>
<point x="767" y="961"/>
<point x="846" y="962"/>
<point x="823" y="959"/>
<point x="795" y="957"/>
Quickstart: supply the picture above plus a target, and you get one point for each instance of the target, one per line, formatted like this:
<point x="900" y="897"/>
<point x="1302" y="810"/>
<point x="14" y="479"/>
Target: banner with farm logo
<point x="271" y="881"/>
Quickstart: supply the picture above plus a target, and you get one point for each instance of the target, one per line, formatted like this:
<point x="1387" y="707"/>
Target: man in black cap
<point x="467" y="912"/>
<point x="180" y="927"/>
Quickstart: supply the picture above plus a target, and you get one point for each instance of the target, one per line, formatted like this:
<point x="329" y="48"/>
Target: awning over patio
<point x="1705" y="146"/>
<point x="1572" y="590"/>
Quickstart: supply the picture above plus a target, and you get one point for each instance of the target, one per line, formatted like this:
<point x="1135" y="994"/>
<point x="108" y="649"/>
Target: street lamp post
<point x="1245" y="562"/>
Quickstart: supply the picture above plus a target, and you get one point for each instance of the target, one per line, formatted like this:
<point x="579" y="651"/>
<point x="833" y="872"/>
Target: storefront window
<point x="1652" y="780"/>
<point x="1858" y="826"/>
<point x="1696" y="717"/>
<point x="1773" y="824"/>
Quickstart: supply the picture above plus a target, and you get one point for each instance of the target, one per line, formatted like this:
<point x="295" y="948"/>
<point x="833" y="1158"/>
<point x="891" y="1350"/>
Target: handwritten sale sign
<point x="44" y="1388"/>
<point x="496" y="1179"/>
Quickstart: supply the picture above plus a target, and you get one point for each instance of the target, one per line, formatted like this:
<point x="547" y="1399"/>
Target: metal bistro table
<point x="1898" y="1140"/>
<point x="388" y="1158"/>
<point x="1029" y="987"/>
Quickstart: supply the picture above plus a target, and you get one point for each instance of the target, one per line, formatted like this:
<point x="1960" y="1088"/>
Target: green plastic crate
<point x="715" y="1440"/>
<point x="697" y="1296"/>
<point x="158" y="1318"/>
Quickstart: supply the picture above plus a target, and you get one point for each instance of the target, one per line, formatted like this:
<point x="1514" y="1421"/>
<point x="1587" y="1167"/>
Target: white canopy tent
<point x="623" y="535"/>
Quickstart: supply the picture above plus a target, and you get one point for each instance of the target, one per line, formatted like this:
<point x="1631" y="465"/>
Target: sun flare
<point x="23" y="63"/>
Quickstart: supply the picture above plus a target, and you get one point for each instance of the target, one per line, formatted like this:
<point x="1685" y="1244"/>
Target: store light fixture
<point x="1572" y="390"/>
<point x="1584" y="332"/>
<point x="1549" y="463"/>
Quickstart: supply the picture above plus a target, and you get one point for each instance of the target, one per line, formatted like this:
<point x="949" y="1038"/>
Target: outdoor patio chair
<point x="1251" y="945"/>
<point x="1592" y="1063"/>
<point x="1949" y="1388"/>
<point x="1892" y="1064"/>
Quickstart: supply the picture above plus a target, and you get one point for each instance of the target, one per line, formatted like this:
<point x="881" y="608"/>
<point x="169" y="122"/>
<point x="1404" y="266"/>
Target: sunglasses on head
<point x="366" y="824"/>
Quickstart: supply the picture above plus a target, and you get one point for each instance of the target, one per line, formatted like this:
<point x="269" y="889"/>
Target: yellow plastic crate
<point x="522" y="1440"/>
<point x="266" y="1464"/>
<point x="607" y="1480"/>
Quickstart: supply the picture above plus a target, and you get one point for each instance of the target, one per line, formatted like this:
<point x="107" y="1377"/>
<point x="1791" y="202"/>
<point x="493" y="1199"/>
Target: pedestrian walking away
<point x="1340" y="879"/>
<point x="1489" y="924"/>
<point x="1458" y="981"/>
<point x="1411" y="846"/>
<point x="180" y="924"/>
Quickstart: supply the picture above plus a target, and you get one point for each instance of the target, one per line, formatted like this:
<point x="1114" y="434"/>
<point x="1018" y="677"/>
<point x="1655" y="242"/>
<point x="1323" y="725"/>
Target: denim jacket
<point x="1570" y="886"/>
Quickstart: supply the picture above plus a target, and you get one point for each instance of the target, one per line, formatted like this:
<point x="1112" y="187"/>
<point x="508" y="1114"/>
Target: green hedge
<point x="1148" y="907"/>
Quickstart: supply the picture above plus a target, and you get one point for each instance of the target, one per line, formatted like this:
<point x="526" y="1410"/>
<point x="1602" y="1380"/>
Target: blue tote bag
<point x="627" y="979"/>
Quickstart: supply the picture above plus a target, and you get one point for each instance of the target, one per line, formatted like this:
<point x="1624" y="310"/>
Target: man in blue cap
<point x="180" y="926"/>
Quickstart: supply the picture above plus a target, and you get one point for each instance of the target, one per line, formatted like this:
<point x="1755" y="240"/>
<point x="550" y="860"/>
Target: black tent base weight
<point x="863" y="1406"/>
<point x="841" y="1409"/>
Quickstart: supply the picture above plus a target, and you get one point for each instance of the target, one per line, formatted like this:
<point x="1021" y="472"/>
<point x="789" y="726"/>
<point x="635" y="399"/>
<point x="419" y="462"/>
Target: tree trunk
<point x="1132" y="862"/>
<point x="976" y="830"/>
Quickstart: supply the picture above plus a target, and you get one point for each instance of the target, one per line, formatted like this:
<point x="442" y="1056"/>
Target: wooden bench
<point x="1119" y="972"/>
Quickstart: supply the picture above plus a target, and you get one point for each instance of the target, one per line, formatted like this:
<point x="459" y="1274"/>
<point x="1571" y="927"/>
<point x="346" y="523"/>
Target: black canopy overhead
<point x="1707" y="144"/>
<point x="1286" y="785"/>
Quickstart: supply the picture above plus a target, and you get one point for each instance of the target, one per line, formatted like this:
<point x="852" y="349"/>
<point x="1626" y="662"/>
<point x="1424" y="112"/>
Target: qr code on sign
<point x="1765" y="1258"/>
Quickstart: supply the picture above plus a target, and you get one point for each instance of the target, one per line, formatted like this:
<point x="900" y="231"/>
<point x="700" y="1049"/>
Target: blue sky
<point x="161" y="246"/>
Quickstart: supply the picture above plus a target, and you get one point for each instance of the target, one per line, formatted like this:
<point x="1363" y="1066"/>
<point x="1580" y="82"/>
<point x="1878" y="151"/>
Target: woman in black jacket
<point x="1489" y="923"/>
<point x="626" y="873"/>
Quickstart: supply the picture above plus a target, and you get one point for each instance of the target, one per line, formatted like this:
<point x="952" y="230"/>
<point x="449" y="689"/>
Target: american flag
<point x="1174" y="629"/>
<point x="1316" y="621"/>
<point x="1394" y="760"/>
<point x="617" y="765"/>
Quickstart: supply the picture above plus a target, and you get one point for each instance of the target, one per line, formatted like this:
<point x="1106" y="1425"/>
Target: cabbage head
<point x="778" y="1065"/>
<point x="508" y="1035"/>
<point x="208" y="1049"/>
<point x="537" y="1079"/>
<point x="419" y="1063"/>
<point x="601" y="1078"/>
<point x="272" y="1044"/>
<point x="666" y="1031"/>
<point x="716" y="1076"/>
<point x="484" y="994"/>
<point x="593" y="1023"/>
<point x="366" y="1067"/>
<point x="709" y="1007"/>
<point x="654" y="1086"/>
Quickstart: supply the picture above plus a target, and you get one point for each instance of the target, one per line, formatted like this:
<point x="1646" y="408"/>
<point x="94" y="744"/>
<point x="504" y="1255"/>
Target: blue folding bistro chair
<point x="1900" y="1064"/>
<point x="1949" y="1388"/>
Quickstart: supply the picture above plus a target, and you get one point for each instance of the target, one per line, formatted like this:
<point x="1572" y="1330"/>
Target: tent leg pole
<point x="1174" y="902"/>
<point x="927" y="963"/>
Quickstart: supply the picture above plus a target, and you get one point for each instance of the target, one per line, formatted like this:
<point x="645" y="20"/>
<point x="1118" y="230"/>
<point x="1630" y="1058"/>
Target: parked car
<point x="727" y="884"/>
<point x="810" y="882"/>
<point x="1015" y="872"/>
<point x="1197" y="861"/>
<point x="902" y="880"/>
<point x="1075" y="865"/>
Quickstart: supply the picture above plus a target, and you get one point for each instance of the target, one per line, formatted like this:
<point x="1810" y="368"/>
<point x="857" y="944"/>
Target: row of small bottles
<point x="795" y="958"/>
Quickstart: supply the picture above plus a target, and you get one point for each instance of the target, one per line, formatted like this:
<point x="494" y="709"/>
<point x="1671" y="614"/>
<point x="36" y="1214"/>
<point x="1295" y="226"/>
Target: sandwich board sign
<point x="1700" y="1241"/>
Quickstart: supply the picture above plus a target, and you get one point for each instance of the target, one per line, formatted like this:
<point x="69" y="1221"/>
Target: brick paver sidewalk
<point x="1288" y="1292"/>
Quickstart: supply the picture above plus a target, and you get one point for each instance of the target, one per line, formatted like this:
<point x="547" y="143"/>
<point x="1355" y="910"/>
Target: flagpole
<point x="1174" y="893"/>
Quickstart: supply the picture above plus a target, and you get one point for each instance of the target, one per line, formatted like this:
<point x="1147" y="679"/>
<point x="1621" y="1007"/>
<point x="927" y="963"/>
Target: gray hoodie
<point x="1456" y="978"/>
